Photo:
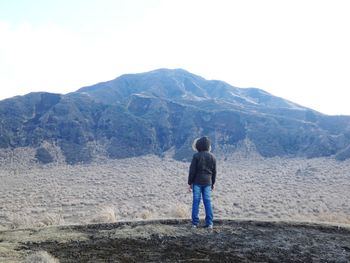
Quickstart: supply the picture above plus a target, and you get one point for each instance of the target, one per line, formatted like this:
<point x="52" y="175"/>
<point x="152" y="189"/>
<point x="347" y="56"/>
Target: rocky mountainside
<point x="162" y="110"/>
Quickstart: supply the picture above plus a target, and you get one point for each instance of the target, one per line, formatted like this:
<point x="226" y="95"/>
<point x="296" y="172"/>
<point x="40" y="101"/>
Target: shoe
<point x="194" y="226"/>
<point x="210" y="227"/>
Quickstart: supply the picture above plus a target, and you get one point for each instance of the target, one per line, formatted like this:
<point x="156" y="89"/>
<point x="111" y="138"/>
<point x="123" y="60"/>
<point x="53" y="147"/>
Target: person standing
<point x="201" y="180"/>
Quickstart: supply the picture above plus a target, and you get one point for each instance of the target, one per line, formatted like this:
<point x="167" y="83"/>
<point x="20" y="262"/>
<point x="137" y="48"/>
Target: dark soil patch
<point x="175" y="241"/>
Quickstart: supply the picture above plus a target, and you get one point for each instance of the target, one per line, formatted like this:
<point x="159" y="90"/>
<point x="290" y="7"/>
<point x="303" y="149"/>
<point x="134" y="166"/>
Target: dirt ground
<point x="175" y="241"/>
<point x="50" y="208"/>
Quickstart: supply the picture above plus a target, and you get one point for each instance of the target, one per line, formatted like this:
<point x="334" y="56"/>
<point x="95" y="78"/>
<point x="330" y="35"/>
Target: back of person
<point x="203" y="165"/>
<point x="205" y="168"/>
<point x="201" y="180"/>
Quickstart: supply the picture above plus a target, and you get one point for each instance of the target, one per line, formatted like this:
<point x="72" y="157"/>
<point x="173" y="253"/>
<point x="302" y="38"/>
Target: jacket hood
<point x="202" y="144"/>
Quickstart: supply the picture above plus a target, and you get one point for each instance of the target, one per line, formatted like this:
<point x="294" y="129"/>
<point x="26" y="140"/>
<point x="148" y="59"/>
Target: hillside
<point x="162" y="110"/>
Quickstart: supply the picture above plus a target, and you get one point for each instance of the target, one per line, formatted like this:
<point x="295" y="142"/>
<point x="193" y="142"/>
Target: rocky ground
<point x="176" y="241"/>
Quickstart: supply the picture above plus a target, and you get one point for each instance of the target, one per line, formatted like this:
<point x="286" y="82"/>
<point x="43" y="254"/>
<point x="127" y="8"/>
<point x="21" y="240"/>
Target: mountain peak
<point x="182" y="86"/>
<point x="164" y="109"/>
<point x="169" y="71"/>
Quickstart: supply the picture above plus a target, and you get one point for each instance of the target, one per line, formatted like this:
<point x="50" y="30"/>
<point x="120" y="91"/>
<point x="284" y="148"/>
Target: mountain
<point x="161" y="110"/>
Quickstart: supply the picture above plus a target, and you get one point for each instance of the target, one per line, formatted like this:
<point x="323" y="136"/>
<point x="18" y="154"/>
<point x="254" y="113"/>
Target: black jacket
<point x="203" y="165"/>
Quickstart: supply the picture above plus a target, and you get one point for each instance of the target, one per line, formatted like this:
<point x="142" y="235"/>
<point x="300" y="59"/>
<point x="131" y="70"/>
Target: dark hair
<point x="203" y="144"/>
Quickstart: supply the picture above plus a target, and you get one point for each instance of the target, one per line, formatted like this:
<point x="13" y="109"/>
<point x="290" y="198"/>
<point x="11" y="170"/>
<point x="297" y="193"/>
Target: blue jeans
<point x="205" y="191"/>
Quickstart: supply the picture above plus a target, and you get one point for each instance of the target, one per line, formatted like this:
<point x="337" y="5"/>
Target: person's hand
<point x="190" y="188"/>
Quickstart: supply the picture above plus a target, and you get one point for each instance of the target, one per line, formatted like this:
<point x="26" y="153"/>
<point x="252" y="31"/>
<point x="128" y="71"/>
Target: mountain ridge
<point x="187" y="82"/>
<point x="152" y="112"/>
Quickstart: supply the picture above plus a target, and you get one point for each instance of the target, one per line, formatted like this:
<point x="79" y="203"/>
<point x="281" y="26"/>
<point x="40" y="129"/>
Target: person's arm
<point x="192" y="172"/>
<point x="190" y="188"/>
<point x="213" y="177"/>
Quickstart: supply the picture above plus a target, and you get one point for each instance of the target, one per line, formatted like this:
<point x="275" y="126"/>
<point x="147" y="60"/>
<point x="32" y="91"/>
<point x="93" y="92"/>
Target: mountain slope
<point x="153" y="112"/>
<point x="181" y="85"/>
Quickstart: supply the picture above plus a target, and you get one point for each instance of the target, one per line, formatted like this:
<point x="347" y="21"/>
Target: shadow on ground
<point x="175" y="241"/>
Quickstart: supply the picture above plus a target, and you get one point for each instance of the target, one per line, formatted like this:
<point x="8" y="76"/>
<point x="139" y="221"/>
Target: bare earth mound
<point x="175" y="241"/>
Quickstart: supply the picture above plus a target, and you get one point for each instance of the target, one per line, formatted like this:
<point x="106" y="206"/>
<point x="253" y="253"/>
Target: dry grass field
<point x="151" y="187"/>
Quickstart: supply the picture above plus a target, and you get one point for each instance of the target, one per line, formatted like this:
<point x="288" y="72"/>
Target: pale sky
<point x="295" y="49"/>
